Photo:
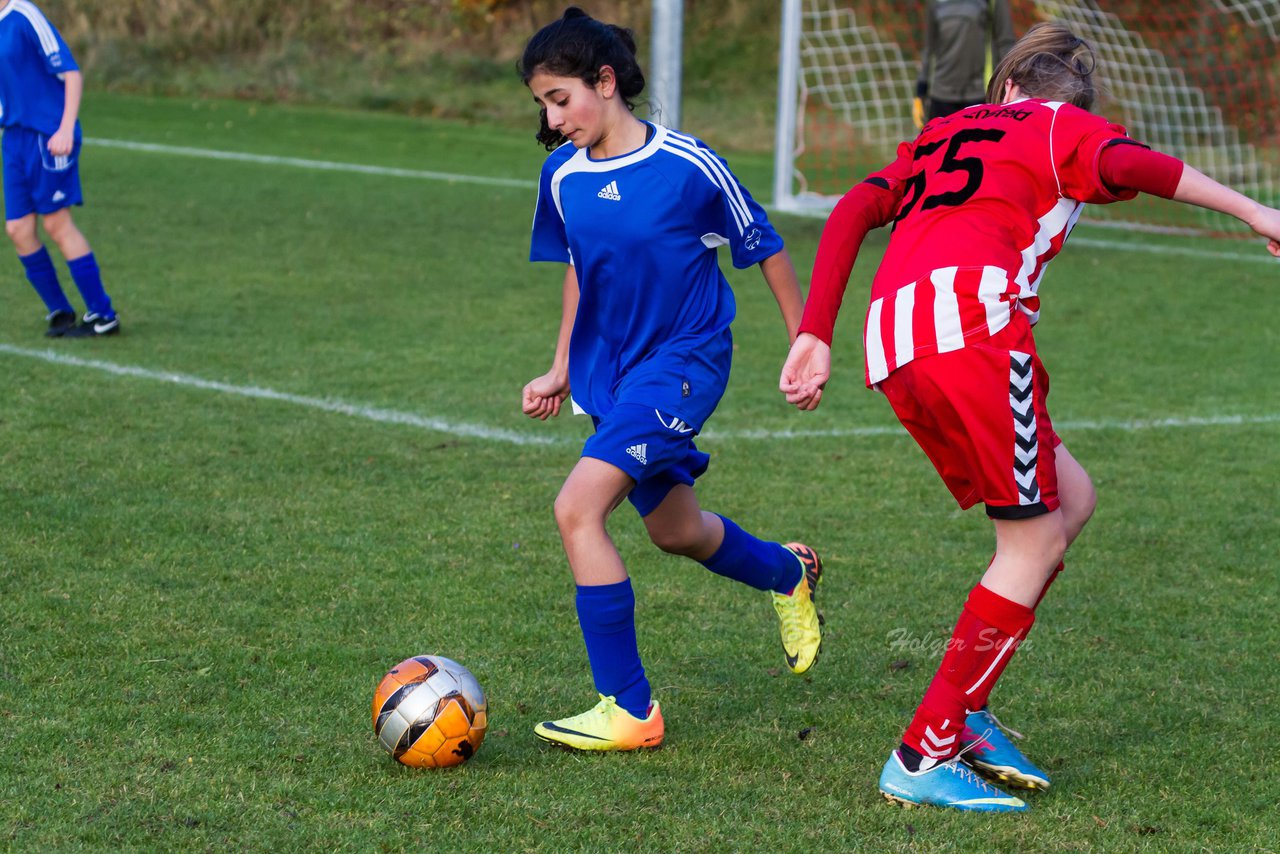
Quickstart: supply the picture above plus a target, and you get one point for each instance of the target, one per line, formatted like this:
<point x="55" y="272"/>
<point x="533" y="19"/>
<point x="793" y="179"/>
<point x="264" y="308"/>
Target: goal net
<point x="1198" y="79"/>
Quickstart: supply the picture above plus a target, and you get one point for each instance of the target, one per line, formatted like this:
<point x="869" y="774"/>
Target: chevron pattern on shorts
<point x="1026" y="449"/>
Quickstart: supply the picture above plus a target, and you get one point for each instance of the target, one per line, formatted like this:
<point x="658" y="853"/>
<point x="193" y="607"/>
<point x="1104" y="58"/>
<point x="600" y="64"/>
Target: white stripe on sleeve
<point x="715" y="172"/>
<point x="730" y="183"/>
<point x="39" y="23"/>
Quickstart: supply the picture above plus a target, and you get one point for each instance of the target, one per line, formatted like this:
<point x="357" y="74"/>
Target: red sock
<point x="987" y="634"/>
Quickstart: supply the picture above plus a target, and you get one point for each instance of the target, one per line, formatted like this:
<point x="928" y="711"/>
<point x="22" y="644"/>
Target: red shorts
<point x="979" y="413"/>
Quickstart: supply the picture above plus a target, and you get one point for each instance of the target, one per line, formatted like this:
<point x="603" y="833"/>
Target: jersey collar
<point x="586" y="163"/>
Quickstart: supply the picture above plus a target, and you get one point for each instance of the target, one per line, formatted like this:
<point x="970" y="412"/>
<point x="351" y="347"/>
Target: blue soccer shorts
<point x="655" y="449"/>
<point x="34" y="180"/>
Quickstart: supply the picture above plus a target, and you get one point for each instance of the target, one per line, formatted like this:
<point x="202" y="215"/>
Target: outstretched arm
<point x="780" y="275"/>
<point x="1135" y="167"/>
<point x="542" y="396"/>
<point x="1197" y="188"/>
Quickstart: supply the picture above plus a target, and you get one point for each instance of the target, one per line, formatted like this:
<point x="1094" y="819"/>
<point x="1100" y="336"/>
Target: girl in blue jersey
<point x="40" y="88"/>
<point x="637" y="212"/>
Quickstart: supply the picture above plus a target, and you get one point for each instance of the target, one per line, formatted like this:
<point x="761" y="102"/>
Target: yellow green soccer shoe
<point x="799" y="616"/>
<point x="605" y="727"/>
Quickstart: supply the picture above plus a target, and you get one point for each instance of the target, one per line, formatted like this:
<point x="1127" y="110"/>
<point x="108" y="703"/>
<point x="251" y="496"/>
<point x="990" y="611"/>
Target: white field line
<point x="511" y="437"/>
<point x="1259" y="256"/>
<point x="301" y="163"/>
<point x="462" y="429"/>
<point x="354" y="410"/>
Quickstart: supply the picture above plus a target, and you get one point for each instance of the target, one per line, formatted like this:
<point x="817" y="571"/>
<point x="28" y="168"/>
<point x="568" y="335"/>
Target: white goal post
<point x="1199" y="80"/>
<point x="666" y="65"/>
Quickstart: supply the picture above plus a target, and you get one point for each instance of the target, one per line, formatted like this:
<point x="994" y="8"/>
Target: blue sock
<point x="84" y="271"/>
<point x="607" y="615"/>
<point x="44" y="278"/>
<point x="762" y="565"/>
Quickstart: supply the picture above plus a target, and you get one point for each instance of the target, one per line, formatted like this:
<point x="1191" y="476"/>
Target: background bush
<point x="444" y="58"/>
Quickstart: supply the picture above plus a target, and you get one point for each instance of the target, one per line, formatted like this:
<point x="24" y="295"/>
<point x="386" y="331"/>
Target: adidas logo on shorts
<point x="610" y="192"/>
<point x="638" y="451"/>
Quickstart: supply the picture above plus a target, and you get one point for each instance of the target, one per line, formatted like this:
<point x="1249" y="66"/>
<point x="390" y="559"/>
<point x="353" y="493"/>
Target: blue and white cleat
<point x="992" y="754"/>
<point x="948" y="784"/>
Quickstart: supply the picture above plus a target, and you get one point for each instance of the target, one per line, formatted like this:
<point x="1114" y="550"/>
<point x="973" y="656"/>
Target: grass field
<point x="304" y="461"/>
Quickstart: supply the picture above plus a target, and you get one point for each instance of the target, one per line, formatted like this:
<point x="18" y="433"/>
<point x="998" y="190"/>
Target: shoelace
<point x="610" y="708"/>
<point x="964" y="772"/>
<point x="967" y="774"/>
<point x="1008" y="730"/>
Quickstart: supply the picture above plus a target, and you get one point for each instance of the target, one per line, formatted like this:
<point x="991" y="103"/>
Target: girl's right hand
<point x="542" y="396"/>
<point x="62" y="142"/>
<point x="806" y="371"/>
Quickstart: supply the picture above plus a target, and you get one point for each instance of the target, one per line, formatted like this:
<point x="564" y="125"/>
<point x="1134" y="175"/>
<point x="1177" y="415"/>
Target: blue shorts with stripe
<point x="35" y="181"/>
<point x="654" y="449"/>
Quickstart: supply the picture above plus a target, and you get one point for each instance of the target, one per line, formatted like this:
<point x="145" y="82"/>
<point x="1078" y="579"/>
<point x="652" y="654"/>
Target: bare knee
<point x="1054" y="547"/>
<point x="575" y="513"/>
<point x="684" y="539"/>
<point x="23" y="234"/>
<point x="1075" y="492"/>
<point x="62" y="230"/>
<point x="1081" y="512"/>
<point x="1077" y="505"/>
<point x="566" y="512"/>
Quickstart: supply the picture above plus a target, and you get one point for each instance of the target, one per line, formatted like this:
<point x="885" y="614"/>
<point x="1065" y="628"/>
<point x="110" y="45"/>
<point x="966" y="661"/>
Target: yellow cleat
<point x="801" y="621"/>
<point x="605" y="727"/>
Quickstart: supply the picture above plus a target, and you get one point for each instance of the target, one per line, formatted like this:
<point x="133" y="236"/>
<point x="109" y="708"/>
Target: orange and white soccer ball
<point x="430" y="712"/>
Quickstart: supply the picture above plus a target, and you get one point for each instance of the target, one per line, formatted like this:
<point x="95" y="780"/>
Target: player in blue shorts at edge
<point x="638" y="211"/>
<point x="40" y="89"/>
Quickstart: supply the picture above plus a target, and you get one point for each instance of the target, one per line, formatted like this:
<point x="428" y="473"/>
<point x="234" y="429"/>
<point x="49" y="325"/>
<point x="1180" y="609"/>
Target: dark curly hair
<point x="578" y="46"/>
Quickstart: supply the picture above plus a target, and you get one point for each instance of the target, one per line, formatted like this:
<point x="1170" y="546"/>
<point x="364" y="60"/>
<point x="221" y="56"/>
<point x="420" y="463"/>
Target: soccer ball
<point x="430" y="712"/>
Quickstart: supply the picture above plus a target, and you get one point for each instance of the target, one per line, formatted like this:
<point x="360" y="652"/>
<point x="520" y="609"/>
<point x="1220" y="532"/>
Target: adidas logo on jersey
<point x="638" y="451"/>
<point x="610" y="192"/>
<point x="59" y="196"/>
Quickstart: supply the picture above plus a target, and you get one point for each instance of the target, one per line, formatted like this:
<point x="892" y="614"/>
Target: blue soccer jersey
<point x="642" y="230"/>
<point x="33" y="58"/>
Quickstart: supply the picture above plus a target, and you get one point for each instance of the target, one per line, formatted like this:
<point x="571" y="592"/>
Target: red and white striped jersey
<point x="986" y="198"/>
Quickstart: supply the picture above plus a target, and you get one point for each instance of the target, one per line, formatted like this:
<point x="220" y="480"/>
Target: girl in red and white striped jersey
<point x="980" y="202"/>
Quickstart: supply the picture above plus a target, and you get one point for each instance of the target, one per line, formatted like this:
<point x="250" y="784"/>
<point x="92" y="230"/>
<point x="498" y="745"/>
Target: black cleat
<point x="60" y="323"/>
<point x="93" y="326"/>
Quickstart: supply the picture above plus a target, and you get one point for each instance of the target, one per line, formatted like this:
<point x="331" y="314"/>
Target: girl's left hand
<point x="1266" y="222"/>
